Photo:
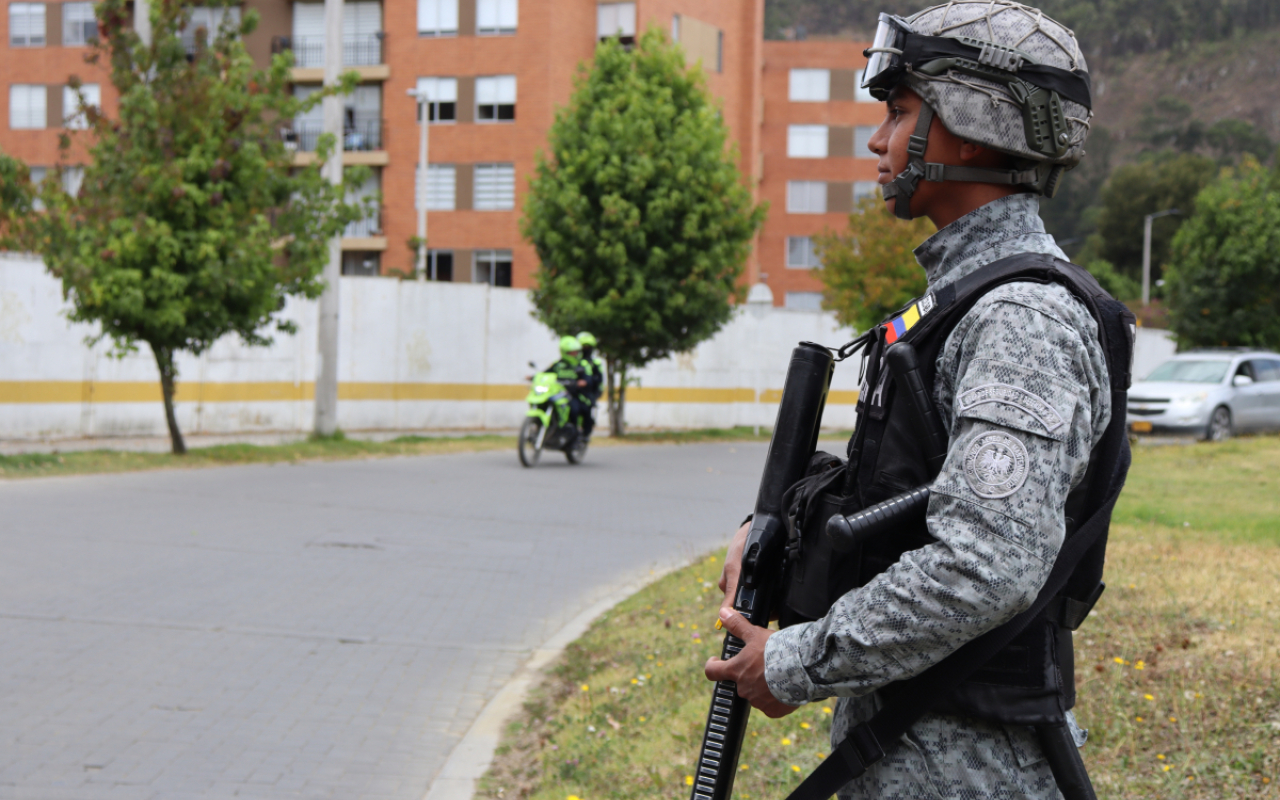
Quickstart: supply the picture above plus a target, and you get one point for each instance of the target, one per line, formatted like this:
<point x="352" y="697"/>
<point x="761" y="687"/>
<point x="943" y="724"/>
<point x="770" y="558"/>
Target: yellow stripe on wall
<point x="14" y="392"/>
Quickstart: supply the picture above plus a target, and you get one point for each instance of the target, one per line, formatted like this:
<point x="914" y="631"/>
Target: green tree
<point x="192" y="222"/>
<point x="870" y="269"/>
<point x="1154" y="184"/>
<point x="638" y="213"/>
<point x="1223" y="283"/>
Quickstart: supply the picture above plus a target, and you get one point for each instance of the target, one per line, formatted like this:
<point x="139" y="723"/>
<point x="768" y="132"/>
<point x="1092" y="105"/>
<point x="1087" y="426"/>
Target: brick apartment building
<point x="495" y="72"/>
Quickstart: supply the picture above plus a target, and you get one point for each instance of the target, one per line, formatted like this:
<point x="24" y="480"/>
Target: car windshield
<point x="1190" y="371"/>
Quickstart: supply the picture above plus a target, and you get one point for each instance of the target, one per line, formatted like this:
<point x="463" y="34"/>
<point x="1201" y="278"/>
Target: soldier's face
<point x="892" y="137"/>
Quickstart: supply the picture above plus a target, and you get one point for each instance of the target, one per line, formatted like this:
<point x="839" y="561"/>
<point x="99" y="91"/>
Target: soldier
<point x="987" y="102"/>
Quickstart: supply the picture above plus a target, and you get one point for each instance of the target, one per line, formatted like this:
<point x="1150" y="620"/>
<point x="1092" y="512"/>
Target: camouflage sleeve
<point x="1020" y="381"/>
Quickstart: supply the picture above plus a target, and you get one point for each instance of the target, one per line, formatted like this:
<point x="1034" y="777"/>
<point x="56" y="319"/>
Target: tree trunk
<point x="168" y="375"/>
<point x="616" y="382"/>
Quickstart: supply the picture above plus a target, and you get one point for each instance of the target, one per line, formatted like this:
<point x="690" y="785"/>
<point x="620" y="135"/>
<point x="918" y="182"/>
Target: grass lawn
<point x="80" y="462"/>
<point x="1177" y="668"/>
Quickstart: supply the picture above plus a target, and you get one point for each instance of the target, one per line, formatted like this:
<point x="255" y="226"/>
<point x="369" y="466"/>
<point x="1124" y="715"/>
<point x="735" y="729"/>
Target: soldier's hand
<point x="746" y="669"/>
<point x="732" y="565"/>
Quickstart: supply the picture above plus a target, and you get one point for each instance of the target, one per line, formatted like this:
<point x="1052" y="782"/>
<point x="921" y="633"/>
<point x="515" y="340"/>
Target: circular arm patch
<point x="995" y="465"/>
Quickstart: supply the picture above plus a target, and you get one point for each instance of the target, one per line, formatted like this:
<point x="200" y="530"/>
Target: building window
<point x="439" y="265"/>
<point x="675" y="27"/>
<point x="442" y="98"/>
<point x="806" y="141"/>
<point x="809" y="86"/>
<point x="803" y="301"/>
<point x="26" y="25"/>
<point x="495" y="17"/>
<point x="496" y="98"/>
<point x="362" y="34"/>
<point x="437" y="17"/>
<point x="361" y="263"/>
<point x="371" y="225"/>
<point x="38" y="174"/>
<point x="28" y="106"/>
<point x="72" y="180"/>
<point x="75" y="118"/>
<point x="78" y="24"/>
<point x="494" y="188"/>
<point x="616" y="19"/>
<point x="864" y="189"/>
<point x="806" y="197"/>
<point x="862" y="141"/>
<point x="203" y="24"/>
<point x="860" y="94"/>
<point x="492" y="267"/>
<point x="442" y="187"/>
<point x="801" y="254"/>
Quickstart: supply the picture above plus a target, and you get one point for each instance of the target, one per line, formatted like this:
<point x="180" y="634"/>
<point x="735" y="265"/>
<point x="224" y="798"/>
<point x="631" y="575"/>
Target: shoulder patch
<point x="995" y="465"/>
<point x="1020" y="399"/>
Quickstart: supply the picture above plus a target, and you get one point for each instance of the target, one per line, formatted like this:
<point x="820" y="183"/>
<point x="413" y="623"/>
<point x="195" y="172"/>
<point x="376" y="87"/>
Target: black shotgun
<point x="795" y="437"/>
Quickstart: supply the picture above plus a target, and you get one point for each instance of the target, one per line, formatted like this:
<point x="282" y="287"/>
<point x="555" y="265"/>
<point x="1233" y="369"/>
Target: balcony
<point x="361" y="141"/>
<point x="363" y="54"/>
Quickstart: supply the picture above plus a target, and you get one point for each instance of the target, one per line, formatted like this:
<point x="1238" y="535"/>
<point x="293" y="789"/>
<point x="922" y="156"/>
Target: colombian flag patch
<point x="895" y="328"/>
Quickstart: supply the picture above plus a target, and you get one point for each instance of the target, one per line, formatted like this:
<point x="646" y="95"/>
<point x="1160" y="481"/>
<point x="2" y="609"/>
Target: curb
<point x="471" y="757"/>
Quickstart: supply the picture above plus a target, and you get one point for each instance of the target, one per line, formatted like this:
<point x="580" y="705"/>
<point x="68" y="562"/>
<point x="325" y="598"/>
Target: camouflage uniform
<point x="1023" y="370"/>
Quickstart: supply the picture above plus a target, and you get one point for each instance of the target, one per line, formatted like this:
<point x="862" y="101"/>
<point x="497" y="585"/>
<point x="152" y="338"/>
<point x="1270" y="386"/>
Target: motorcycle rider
<point x="987" y="102"/>
<point x="593" y="367"/>
<point x="571" y="373"/>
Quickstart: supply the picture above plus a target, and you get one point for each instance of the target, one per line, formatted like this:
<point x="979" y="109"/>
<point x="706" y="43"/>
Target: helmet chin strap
<point x="903" y="187"/>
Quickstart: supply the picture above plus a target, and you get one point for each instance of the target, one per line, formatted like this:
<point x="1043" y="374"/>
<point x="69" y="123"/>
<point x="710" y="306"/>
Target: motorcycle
<point x="547" y="425"/>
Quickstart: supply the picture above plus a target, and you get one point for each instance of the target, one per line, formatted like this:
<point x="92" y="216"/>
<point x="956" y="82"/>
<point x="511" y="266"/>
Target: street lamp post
<point x="1146" y="251"/>
<point x="420" y="190"/>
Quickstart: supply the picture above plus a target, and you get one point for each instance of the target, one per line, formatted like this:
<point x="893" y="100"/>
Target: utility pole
<point x="420" y="195"/>
<point x="327" y="371"/>
<point x="1146" y="251"/>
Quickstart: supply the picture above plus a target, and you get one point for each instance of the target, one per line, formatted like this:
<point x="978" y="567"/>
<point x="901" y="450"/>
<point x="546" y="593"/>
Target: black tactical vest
<point x="1030" y="681"/>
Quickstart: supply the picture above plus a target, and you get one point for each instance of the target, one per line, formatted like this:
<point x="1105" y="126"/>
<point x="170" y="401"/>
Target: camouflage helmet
<point x="990" y="112"/>
<point x="997" y="73"/>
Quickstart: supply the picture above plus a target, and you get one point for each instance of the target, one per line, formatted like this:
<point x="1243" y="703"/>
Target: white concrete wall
<point x="412" y="356"/>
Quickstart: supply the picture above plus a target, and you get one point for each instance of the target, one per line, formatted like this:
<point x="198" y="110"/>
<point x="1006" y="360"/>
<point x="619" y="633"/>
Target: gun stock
<point x="795" y="437"/>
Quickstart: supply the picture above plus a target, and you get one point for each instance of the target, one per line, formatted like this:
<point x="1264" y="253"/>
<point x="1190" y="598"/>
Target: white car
<point x="1209" y="393"/>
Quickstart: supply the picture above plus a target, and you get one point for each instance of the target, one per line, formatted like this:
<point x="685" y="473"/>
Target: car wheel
<point x="1219" y="429"/>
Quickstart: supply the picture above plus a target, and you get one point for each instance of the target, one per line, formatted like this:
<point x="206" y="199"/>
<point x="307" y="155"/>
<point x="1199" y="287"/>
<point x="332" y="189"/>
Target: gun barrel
<point x="795" y="436"/>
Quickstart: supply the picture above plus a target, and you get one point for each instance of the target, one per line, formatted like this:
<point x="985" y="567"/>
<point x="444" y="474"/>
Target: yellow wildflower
<point x="694" y="627"/>
<point x="688" y="780"/>
<point x="744" y="767"/>
<point x="795" y="768"/>
<point x="1160" y="756"/>
<point x="1173" y="719"/>
<point x="1139" y="719"/>
<point x="634" y="681"/>
<point x="573" y="797"/>
<point x="679" y="624"/>
<point x="1140" y="665"/>
<point x="804" y="725"/>
<point x="642" y="719"/>
<point x="822" y="756"/>
<point x="786" y="741"/>
<point x="826" y="709"/>
<point x="1118" y="660"/>
<point x="1148" y="697"/>
<point x="586" y="688"/>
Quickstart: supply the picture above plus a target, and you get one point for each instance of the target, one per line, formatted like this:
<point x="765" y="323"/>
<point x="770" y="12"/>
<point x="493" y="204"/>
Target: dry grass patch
<point x="1177" y="667"/>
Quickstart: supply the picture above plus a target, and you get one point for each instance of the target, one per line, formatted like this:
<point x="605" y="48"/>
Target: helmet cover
<point x="983" y="111"/>
<point x="569" y="344"/>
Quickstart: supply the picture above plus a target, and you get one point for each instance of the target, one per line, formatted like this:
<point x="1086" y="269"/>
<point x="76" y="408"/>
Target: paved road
<point x="317" y="630"/>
